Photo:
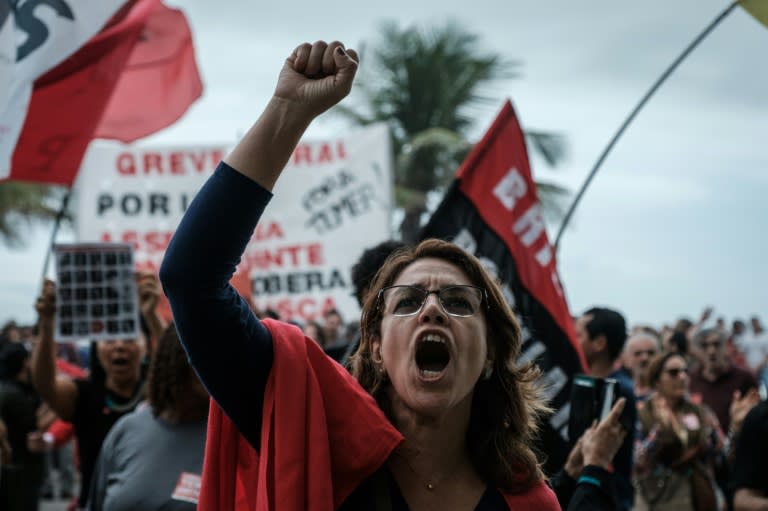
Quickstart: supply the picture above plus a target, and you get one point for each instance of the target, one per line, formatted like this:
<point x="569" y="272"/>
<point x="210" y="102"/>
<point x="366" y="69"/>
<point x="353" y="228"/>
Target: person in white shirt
<point x="754" y="344"/>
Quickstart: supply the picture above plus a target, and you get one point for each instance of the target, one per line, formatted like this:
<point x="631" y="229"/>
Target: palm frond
<point x="430" y="158"/>
<point x="22" y="204"/>
<point x="408" y="198"/>
<point x="551" y="146"/>
<point x="553" y="198"/>
<point x="353" y="115"/>
<point x="424" y="82"/>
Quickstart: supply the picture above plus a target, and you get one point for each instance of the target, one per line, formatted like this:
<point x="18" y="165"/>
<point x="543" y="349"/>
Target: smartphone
<point x="609" y="397"/>
<point x="583" y="399"/>
<point x="591" y="399"/>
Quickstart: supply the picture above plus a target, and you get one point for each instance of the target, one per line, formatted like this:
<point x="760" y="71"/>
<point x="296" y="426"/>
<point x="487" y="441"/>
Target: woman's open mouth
<point x="432" y="356"/>
<point x="119" y="362"/>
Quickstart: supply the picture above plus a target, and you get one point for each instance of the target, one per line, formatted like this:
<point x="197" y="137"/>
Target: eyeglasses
<point x="638" y="353"/>
<point x="674" y="372"/>
<point x="461" y="301"/>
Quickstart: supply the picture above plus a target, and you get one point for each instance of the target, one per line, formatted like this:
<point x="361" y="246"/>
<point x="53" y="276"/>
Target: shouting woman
<point x="436" y="414"/>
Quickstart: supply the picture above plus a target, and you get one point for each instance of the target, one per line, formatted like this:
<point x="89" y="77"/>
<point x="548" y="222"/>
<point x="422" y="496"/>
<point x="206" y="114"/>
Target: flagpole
<point x="57" y="223"/>
<point x="634" y="113"/>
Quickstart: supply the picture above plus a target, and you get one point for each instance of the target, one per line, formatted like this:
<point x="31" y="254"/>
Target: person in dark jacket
<point x="749" y="479"/>
<point x="22" y="479"/>
<point x="586" y="482"/>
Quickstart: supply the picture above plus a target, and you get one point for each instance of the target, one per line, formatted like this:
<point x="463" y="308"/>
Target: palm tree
<point x="425" y="83"/>
<point x="24" y="203"/>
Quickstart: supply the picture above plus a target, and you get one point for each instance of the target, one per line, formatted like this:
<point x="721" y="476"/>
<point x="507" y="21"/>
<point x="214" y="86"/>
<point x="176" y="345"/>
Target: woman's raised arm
<point x="227" y="345"/>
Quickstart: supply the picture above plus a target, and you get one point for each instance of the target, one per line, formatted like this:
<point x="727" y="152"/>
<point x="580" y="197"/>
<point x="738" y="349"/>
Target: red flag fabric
<point x="499" y="166"/>
<point x="492" y="211"/>
<point x="318" y="449"/>
<point x="159" y="83"/>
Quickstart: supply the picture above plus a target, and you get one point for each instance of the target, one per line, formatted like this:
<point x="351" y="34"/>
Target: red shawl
<point x="323" y="433"/>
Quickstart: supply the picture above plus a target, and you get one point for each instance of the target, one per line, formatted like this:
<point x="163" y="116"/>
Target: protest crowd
<point x="359" y="407"/>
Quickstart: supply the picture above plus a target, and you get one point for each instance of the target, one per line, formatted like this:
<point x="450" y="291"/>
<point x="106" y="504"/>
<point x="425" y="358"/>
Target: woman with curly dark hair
<point x="437" y="414"/>
<point x="152" y="458"/>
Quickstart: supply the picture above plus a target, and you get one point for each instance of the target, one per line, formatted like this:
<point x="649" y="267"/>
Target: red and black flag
<point x="492" y="210"/>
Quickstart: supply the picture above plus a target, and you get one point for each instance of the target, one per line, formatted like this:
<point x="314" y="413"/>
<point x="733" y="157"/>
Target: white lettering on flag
<point x="465" y="240"/>
<point x="511" y="188"/>
<point x="530" y="226"/>
<point x="544" y="256"/>
<point x="552" y="382"/>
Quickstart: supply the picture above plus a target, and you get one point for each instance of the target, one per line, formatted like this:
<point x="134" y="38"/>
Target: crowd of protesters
<point x="688" y="431"/>
<point x="696" y="388"/>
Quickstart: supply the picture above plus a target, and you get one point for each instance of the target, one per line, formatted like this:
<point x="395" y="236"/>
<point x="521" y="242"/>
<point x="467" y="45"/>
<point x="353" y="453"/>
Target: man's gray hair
<point x="706" y="333"/>
<point x="642" y="334"/>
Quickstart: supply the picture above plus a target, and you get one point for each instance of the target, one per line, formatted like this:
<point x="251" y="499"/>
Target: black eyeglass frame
<point x="427" y="292"/>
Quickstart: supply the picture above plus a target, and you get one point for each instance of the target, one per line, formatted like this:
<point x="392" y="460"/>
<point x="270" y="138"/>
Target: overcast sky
<point x="677" y="217"/>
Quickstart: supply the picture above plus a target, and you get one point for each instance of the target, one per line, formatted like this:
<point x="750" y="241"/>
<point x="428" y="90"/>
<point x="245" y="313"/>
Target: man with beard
<point x="640" y="349"/>
<point x="726" y="388"/>
<point x="718" y="380"/>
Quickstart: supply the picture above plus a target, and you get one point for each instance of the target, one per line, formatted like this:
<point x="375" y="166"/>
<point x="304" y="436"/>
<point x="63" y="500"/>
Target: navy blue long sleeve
<point x="227" y="345"/>
<point x="594" y="490"/>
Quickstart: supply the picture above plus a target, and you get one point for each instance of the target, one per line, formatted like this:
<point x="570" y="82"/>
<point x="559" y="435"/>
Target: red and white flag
<point x="35" y="36"/>
<point x="159" y="81"/>
<point x="7" y="52"/>
<point x="135" y="76"/>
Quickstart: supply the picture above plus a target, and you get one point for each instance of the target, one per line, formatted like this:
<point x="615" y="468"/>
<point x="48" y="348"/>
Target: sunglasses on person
<point x="460" y="301"/>
<point x="674" y="372"/>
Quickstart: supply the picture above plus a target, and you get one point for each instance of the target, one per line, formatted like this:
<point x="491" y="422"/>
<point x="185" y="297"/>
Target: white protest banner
<point x="333" y="200"/>
<point x="96" y="293"/>
<point x="137" y="195"/>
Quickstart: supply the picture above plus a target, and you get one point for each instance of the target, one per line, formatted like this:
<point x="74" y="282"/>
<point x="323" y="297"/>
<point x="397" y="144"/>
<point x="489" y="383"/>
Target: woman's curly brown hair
<point x="170" y="374"/>
<point x="505" y="408"/>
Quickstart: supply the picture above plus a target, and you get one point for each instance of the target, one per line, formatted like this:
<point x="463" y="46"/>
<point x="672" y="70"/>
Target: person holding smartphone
<point x="602" y="333"/>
